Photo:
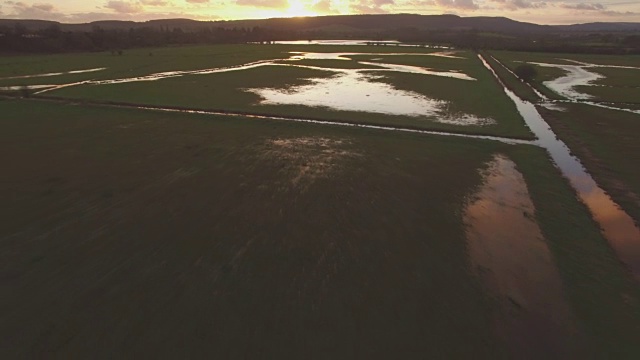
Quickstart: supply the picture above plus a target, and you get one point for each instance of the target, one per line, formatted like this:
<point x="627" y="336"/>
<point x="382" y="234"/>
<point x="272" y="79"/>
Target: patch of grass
<point x="606" y="143"/>
<point x="623" y="78"/>
<point x="603" y="295"/>
<point x="618" y="85"/>
<point x="611" y="93"/>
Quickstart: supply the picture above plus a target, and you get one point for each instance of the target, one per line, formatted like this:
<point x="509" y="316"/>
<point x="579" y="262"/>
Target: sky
<point x="536" y="11"/>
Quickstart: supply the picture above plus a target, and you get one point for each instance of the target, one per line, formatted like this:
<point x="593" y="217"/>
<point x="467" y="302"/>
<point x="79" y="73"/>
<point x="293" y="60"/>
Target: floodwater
<point x="576" y="75"/>
<point x="26" y="87"/>
<point x="348" y="90"/>
<point x="355" y="90"/>
<point x="337" y="92"/>
<point x="358" y="90"/>
<point x="565" y="85"/>
<point x="354" y="42"/>
<point x="508" y="253"/>
<point x="300" y="55"/>
<point x="616" y="225"/>
<point x="53" y="74"/>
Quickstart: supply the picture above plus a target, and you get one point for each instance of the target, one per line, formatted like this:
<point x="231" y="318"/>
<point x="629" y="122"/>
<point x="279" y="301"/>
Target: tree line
<point x="19" y="39"/>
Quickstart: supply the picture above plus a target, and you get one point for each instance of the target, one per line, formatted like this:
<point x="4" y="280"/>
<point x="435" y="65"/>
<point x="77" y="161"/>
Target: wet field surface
<point x="238" y="235"/>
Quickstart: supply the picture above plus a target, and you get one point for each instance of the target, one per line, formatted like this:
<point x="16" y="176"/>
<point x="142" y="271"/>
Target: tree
<point x="526" y="72"/>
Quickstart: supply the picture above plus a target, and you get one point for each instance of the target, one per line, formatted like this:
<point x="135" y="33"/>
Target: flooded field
<point x="591" y="78"/>
<point x="327" y="200"/>
<point x="432" y="89"/>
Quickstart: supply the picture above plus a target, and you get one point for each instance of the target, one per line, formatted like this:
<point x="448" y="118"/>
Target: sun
<point x="298" y="8"/>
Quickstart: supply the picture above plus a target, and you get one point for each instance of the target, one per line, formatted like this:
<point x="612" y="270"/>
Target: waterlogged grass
<point x="234" y="237"/>
<point x="560" y="58"/>
<point x="226" y="92"/>
<point x="606" y="143"/>
<point x="482" y="98"/>
<point x="466" y="63"/>
<point x="223" y="91"/>
<point x="139" y="62"/>
<point x="183" y="229"/>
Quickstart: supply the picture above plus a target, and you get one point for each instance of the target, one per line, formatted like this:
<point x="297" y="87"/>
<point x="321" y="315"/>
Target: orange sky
<point x="538" y="11"/>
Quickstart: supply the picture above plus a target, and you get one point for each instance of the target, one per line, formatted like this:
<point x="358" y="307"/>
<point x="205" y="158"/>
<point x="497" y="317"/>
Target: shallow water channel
<point x="508" y="253"/>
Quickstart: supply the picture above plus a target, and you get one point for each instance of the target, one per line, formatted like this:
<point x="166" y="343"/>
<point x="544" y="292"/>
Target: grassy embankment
<point x="523" y="90"/>
<point x="225" y="92"/>
<point x="512" y="60"/>
<point x="158" y="233"/>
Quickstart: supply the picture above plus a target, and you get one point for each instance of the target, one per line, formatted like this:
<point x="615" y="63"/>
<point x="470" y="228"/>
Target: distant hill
<point x="340" y="23"/>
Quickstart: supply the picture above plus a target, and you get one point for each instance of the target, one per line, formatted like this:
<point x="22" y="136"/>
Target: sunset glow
<point x="538" y="11"/>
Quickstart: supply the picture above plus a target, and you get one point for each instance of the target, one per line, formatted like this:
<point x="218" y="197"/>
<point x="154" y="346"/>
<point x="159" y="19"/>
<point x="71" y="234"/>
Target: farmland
<point x="149" y="212"/>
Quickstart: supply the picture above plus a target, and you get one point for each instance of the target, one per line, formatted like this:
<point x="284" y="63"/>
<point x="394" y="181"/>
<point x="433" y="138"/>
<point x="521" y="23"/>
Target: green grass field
<point x="140" y="232"/>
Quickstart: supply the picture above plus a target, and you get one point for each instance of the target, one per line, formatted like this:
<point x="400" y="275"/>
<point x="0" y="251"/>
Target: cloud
<point x="197" y="1"/>
<point x="584" y="6"/>
<point x="274" y="4"/>
<point x="323" y="7"/>
<point x="372" y="6"/>
<point x="521" y="4"/>
<point x="125" y="7"/>
<point x="42" y="11"/>
<point x="154" y="2"/>
<point x="458" y="4"/>
<point x="596" y="8"/>
<point x="44" y="7"/>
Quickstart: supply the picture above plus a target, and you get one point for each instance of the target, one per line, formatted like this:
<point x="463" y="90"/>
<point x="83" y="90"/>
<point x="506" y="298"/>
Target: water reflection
<point x="355" y="42"/>
<point x="26" y="87"/>
<point x="508" y="253"/>
<point x="300" y="55"/>
<point x="565" y="85"/>
<point x="354" y="90"/>
<point x="53" y="74"/>
<point x="617" y="226"/>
